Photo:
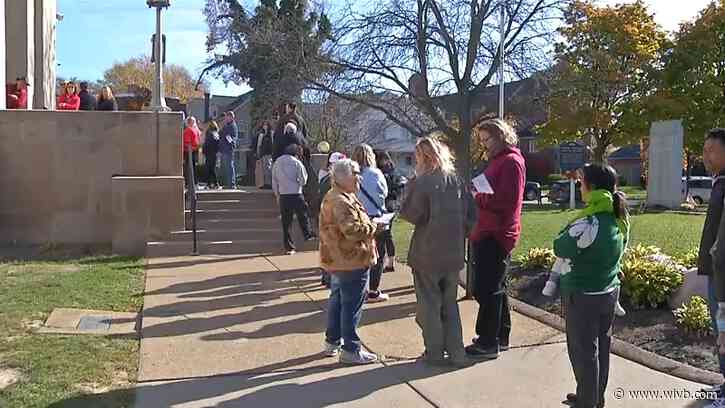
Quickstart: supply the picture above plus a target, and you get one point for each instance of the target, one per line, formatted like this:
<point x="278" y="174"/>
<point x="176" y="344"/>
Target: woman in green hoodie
<point x="593" y="243"/>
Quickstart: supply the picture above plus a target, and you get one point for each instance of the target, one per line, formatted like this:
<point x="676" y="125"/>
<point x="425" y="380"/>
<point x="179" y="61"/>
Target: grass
<point x="634" y="192"/>
<point x="676" y="234"/>
<point x="57" y="368"/>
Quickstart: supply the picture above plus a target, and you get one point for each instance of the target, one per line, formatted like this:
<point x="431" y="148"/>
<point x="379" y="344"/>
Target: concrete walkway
<point x="247" y="332"/>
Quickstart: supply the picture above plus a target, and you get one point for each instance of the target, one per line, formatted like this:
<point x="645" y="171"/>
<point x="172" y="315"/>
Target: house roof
<point x="626" y="152"/>
<point x="241" y="100"/>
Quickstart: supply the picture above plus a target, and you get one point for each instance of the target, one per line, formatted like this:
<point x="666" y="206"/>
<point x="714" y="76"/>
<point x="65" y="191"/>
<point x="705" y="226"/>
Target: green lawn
<point x="676" y="234"/>
<point x="56" y="368"/>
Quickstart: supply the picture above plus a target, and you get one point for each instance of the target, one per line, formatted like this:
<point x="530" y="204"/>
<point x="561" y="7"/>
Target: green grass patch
<point x="675" y="234"/>
<point x="634" y="192"/>
<point x="58" y="368"/>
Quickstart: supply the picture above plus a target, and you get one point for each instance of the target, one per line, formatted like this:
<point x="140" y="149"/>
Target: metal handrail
<point x="191" y="190"/>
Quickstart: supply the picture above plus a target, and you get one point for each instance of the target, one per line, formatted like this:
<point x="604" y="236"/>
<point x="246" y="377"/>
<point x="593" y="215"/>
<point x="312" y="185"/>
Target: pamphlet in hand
<point x="482" y="185"/>
<point x="384" y="219"/>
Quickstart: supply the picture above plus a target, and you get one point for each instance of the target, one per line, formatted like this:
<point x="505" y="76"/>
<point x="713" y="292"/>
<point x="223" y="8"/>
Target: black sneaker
<point x="477" y="352"/>
<point x="571" y="399"/>
<point x="501" y="347"/>
<point x="714" y="391"/>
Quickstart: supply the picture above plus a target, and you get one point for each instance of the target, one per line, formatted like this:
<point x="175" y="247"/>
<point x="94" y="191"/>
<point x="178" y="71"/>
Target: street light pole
<point x="502" y="48"/>
<point x="158" y="101"/>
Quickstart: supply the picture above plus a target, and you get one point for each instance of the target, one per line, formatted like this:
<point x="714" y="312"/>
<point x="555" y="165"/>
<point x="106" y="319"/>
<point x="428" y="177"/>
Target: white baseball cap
<point x="336" y="157"/>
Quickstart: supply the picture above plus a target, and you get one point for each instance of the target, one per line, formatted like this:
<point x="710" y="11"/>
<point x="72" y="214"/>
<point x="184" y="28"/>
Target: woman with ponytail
<point x="589" y="252"/>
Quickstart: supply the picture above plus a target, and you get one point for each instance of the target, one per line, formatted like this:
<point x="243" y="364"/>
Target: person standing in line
<point x="594" y="243"/>
<point x="16" y="95"/>
<point x="372" y="193"/>
<point x="69" y="99"/>
<point x="385" y="164"/>
<point x="211" y="149"/>
<point x="325" y="185"/>
<point x="192" y="138"/>
<point x="88" y="100"/>
<point x="435" y="205"/>
<point x="288" y="178"/>
<point x="227" y="144"/>
<point x="289" y="135"/>
<point x="495" y="236"/>
<point x="265" y="150"/>
<point x="106" y="101"/>
<point x="347" y="250"/>
<point x="711" y="242"/>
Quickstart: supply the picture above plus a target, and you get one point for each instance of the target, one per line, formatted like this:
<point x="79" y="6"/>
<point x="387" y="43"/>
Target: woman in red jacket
<point x="192" y="137"/>
<point x="69" y="100"/>
<point x="495" y="236"/>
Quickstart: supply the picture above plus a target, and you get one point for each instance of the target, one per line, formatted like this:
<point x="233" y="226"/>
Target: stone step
<point x="253" y="194"/>
<point x="236" y="205"/>
<point x="205" y="234"/>
<point x="161" y="249"/>
<point x="270" y="213"/>
<point x="235" y="223"/>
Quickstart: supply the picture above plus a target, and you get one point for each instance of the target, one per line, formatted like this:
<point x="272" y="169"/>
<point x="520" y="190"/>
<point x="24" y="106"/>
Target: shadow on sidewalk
<point x="203" y="261"/>
<point x="276" y="385"/>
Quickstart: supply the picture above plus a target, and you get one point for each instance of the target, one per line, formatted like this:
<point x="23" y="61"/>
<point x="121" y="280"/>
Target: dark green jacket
<point x="595" y="246"/>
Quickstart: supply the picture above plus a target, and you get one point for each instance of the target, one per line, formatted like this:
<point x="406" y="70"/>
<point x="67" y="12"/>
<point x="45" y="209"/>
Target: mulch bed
<point x="652" y="330"/>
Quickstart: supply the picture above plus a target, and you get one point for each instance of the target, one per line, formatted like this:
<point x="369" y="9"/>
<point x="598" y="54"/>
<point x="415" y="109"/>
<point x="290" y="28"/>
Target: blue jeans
<point x="712" y="304"/>
<point x="344" y="309"/>
<point x="230" y="178"/>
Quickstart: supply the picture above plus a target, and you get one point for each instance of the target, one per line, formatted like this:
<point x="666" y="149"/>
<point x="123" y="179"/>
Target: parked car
<point x="559" y="192"/>
<point x="699" y="189"/>
<point x="532" y="191"/>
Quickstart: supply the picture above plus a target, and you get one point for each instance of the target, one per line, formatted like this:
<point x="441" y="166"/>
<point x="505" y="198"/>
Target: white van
<point x="700" y="189"/>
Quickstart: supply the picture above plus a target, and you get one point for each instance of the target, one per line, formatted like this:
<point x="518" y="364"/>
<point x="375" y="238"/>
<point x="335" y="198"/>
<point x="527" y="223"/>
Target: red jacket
<point x="20" y="99"/>
<point x="499" y="214"/>
<point x="70" y="103"/>
<point x="191" y="139"/>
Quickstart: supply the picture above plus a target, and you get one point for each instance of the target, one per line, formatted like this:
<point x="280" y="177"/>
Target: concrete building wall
<point x="56" y="170"/>
<point x="20" y="43"/>
<point x="44" y="85"/>
<point x="3" y="79"/>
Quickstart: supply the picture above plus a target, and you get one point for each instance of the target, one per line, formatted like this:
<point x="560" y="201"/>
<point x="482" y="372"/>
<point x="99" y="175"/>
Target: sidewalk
<point x="247" y="332"/>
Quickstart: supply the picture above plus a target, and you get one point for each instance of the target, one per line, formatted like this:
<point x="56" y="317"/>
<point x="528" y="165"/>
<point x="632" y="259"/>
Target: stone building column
<point x="20" y="42"/>
<point x="44" y="44"/>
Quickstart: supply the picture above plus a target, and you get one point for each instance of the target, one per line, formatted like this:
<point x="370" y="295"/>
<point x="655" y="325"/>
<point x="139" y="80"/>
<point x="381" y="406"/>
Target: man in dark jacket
<point x="88" y="101"/>
<point x="227" y="143"/>
<point x="711" y="260"/>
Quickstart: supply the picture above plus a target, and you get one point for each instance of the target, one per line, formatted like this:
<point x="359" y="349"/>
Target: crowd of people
<point x="70" y="97"/>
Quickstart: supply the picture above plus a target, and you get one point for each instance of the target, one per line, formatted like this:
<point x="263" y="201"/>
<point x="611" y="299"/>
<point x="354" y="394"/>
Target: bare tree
<point x="419" y="50"/>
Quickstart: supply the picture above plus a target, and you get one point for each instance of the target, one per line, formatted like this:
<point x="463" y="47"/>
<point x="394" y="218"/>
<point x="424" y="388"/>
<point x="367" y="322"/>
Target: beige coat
<point x="346" y="233"/>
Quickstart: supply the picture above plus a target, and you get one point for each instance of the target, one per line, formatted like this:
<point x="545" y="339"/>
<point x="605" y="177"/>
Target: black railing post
<point x="191" y="190"/>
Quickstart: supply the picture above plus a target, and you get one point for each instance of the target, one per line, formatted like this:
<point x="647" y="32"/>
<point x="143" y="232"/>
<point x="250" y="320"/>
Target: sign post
<point x="572" y="157"/>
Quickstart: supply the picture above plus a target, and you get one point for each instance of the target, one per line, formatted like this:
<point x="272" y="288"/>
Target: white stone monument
<point x="664" y="180"/>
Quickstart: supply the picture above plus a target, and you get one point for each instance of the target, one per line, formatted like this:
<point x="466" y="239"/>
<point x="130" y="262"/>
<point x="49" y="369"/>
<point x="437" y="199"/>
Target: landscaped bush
<point x="551" y="178"/>
<point x="537" y="258"/>
<point x="689" y="259"/>
<point x="649" y="277"/>
<point x="694" y="316"/>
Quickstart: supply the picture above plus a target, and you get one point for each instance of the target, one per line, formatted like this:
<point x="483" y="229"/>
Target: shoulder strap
<point x="371" y="199"/>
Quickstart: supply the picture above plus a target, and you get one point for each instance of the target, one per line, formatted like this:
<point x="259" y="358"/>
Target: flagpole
<point x="501" y="93"/>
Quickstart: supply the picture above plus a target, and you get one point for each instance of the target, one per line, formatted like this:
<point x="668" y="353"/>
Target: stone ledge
<point x="67" y="321"/>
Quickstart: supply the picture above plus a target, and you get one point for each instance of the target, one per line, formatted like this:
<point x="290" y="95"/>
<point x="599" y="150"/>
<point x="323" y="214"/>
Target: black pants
<point x="493" y="323"/>
<point x="376" y="272"/>
<point x="389" y="246"/>
<point x="211" y="178"/>
<point x="588" y="339"/>
<point x="194" y="160"/>
<point x="289" y="206"/>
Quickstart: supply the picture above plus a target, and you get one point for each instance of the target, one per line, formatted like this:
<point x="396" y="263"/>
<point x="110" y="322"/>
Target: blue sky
<point x="96" y="33"/>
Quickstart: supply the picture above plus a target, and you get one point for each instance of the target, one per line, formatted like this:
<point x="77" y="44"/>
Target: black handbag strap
<point x="372" y="200"/>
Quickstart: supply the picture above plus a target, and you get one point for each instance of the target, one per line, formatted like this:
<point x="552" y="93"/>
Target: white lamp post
<point x="158" y="101"/>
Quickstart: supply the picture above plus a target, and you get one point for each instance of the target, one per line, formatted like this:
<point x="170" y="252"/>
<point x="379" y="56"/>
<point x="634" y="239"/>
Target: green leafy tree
<point x="266" y="48"/>
<point x="606" y="71"/>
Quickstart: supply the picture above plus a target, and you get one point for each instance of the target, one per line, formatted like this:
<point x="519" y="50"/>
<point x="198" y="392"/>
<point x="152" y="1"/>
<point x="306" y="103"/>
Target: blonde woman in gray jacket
<point x="434" y="204"/>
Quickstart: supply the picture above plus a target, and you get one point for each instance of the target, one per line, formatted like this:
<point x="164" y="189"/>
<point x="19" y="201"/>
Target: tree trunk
<point x="599" y="154"/>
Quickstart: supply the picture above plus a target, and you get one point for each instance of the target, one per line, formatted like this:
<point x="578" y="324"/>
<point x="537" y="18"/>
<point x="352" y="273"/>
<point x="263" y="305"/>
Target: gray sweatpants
<point x="437" y="314"/>
<point x="589" y="321"/>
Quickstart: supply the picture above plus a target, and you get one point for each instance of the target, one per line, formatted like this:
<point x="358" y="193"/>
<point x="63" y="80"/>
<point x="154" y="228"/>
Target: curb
<point x="626" y="350"/>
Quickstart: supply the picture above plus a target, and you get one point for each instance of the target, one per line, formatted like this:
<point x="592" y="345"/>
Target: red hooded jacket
<point x="21" y="97"/>
<point x="499" y="214"/>
<point x="191" y="139"/>
<point x="69" y="102"/>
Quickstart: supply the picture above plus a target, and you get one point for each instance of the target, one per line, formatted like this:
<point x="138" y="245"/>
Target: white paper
<point x="482" y="185"/>
<point x="384" y="219"/>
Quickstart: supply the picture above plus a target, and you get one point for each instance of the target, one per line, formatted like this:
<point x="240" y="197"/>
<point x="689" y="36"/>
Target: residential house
<point x="627" y="161"/>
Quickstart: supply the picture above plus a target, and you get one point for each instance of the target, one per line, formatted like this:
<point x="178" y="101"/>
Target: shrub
<point x="537" y="258"/>
<point x="551" y="178"/>
<point x="689" y="259"/>
<point x="694" y="316"/>
<point x="647" y="282"/>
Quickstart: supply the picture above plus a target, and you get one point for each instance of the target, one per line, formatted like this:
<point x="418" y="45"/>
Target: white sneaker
<point x="381" y="297"/>
<point x="718" y="403"/>
<point x="549" y="289"/>
<point x="359" y="358"/>
<point x="291" y="252"/>
<point x="619" y="310"/>
<point x="331" y="350"/>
